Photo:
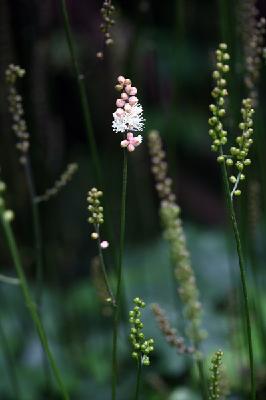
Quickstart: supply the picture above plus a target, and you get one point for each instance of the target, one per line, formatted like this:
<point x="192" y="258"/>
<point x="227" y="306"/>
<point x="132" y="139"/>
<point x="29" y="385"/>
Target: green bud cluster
<point x="141" y="347"/>
<point x="217" y="131"/>
<point x="95" y="208"/>
<point x="6" y="215"/>
<point x="188" y="291"/>
<point x="215" y="379"/>
<point x="240" y="152"/>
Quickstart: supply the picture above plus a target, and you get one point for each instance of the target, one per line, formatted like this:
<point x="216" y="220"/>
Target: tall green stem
<point x="242" y="276"/>
<point x="29" y="302"/>
<point x="138" y="379"/>
<point x="202" y="378"/>
<point x="82" y="93"/>
<point x="119" y="277"/>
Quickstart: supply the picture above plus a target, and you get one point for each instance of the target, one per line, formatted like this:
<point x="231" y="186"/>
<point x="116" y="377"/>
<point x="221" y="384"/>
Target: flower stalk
<point x="6" y="217"/>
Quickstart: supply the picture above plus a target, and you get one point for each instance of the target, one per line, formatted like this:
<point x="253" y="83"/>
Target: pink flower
<point x="124" y="96"/>
<point x="131" y="142"/>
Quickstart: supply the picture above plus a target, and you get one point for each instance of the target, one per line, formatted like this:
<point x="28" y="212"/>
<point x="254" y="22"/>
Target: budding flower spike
<point x="96" y="218"/>
<point x="237" y="159"/>
<point x="128" y="118"/>
<point x="141" y="347"/>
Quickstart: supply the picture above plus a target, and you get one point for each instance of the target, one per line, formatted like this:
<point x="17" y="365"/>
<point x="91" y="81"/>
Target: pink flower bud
<point x="133" y="91"/>
<point x="128" y="89"/>
<point x="131" y="147"/>
<point x="121" y="79"/>
<point x="120" y="103"/>
<point x="124" y="96"/>
<point x="104" y="244"/>
<point x="127" y="107"/>
<point x="124" y="143"/>
<point x="133" y="100"/>
<point x="127" y="81"/>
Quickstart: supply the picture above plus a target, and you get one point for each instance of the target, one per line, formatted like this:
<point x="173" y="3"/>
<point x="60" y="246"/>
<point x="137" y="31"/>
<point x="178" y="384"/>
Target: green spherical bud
<point x="223" y="140"/>
<point x="242" y="177"/>
<point x="2" y="186"/>
<point x="212" y="108"/>
<point x="220" y="159"/>
<point x="221" y="101"/>
<point x="239" y="166"/>
<point x="226" y="57"/>
<point x="233" y="151"/>
<point x="229" y="162"/>
<point x="223" y="46"/>
<point x="237" y="192"/>
<point x="221" y="112"/>
<point x="232" y="179"/>
<point x="216" y="74"/>
<point x="247" y="161"/>
<point x="8" y="215"/>
<point x="146" y="361"/>
<point x="134" y="354"/>
<point x="226" y="68"/>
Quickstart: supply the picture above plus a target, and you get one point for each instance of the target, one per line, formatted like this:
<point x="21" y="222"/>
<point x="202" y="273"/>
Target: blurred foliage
<point x="169" y="56"/>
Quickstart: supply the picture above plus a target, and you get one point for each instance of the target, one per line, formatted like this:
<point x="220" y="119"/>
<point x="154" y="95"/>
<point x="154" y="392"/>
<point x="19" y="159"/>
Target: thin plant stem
<point x="202" y="379"/>
<point x="119" y="277"/>
<point x="82" y="93"/>
<point x="138" y="379"/>
<point x="103" y="268"/>
<point x="12" y="245"/>
<point x="38" y="250"/>
<point x="10" y="363"/>
<point x="242" y="276"/>
<point x="86" y="115"/>
<point x="37" y="232"/>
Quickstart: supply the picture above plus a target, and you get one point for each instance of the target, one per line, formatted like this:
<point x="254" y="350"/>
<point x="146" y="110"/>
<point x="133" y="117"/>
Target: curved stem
<point x="242" y="275"/>
<point x="29" y="302"/>
<point x="138" y="379"/>
<point x="103" y="268"/>
<point x="82" y="93"/>
<point x="119" y="277"/>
